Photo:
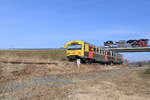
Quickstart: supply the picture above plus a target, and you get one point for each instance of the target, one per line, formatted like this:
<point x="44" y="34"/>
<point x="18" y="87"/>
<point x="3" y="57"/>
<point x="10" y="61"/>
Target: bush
<point x="147" y="71"/>
<point x="145" y="74"/>
<point x="140" y="64"/>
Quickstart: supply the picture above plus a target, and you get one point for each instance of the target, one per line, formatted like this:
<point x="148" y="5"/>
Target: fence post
<point x="78" y="63"/>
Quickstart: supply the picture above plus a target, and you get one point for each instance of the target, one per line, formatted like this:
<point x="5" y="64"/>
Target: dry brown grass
<point x="127" y="86"/>
<point x="134" y="83"/>
<point x="16" y="72"/>
<point x="146" y="73"/>
<point x="33" y="55"/>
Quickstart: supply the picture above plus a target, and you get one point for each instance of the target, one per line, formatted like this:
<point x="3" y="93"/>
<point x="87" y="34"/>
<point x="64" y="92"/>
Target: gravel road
<point x="17" y="89"/>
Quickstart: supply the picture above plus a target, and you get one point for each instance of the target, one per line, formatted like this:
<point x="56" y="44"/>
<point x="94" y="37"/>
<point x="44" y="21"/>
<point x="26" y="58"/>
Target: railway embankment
<point x="32" y="76"/>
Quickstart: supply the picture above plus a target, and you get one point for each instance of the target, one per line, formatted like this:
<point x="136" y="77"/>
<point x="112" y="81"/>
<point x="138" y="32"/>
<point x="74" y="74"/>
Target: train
<point x="89" y="53"/>
<point x="129" y="43"/>
<point x="138" y="43"/>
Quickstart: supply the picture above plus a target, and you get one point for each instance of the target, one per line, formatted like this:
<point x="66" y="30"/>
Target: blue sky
<point x="51" y="23"/>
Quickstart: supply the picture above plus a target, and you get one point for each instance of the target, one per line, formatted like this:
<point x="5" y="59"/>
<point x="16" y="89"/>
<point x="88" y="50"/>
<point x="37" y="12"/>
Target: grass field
<point x="58" y="79"/>
<point x="20" y="55"/>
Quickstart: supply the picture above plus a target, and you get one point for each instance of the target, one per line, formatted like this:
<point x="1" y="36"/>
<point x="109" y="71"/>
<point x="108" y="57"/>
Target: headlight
<point x="79" y="53"/>
<point x="67" y="53"/>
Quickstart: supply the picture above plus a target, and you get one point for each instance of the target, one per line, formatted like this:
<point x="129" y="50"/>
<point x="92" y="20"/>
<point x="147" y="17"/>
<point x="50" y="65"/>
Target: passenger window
<point x="100" y="51"/>
<point x="90" y="48"/>
<point x="97" y="50"/>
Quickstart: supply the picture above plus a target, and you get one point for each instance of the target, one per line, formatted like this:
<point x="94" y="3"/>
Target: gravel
<point x="58" y="81"/>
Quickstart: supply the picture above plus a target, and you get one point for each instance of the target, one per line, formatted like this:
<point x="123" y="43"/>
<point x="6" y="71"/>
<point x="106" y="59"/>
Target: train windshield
<point x="74" y="47"/>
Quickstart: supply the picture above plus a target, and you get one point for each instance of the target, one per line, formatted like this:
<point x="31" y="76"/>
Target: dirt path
<point x="95" y="85"/>
<point x="112" y="85"/>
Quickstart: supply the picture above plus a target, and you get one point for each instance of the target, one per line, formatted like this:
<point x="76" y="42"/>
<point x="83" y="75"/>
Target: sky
<point x="52" y="23"/>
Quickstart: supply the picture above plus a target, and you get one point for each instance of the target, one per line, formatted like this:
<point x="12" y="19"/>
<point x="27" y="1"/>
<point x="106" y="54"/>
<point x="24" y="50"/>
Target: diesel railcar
<point x="89" y="53"/>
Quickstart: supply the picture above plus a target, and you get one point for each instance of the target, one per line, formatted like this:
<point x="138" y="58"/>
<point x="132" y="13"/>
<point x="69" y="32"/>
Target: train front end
<point x="75" y="50"/>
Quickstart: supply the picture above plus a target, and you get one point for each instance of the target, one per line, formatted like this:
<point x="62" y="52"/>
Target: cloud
<point x="147" y="36"/>
<point x="120" y="33"/>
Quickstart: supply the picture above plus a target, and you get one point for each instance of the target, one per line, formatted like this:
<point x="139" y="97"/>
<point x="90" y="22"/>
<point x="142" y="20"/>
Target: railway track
<point x="19" y="62"/>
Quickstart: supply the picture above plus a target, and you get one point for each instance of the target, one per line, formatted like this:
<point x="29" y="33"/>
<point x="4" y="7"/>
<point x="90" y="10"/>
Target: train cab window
<point x="74" y="47"/>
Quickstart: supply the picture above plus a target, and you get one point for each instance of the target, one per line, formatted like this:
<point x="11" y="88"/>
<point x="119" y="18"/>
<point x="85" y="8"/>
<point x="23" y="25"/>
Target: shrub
<point x="147" y="71"/>
<point x="145" y="74"/>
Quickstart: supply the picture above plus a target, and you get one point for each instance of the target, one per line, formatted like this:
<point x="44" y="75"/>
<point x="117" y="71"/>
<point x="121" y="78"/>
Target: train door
<point x="106" y="55"/>
<point x="90" y="52"/>
<point x="115" y="57"/>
